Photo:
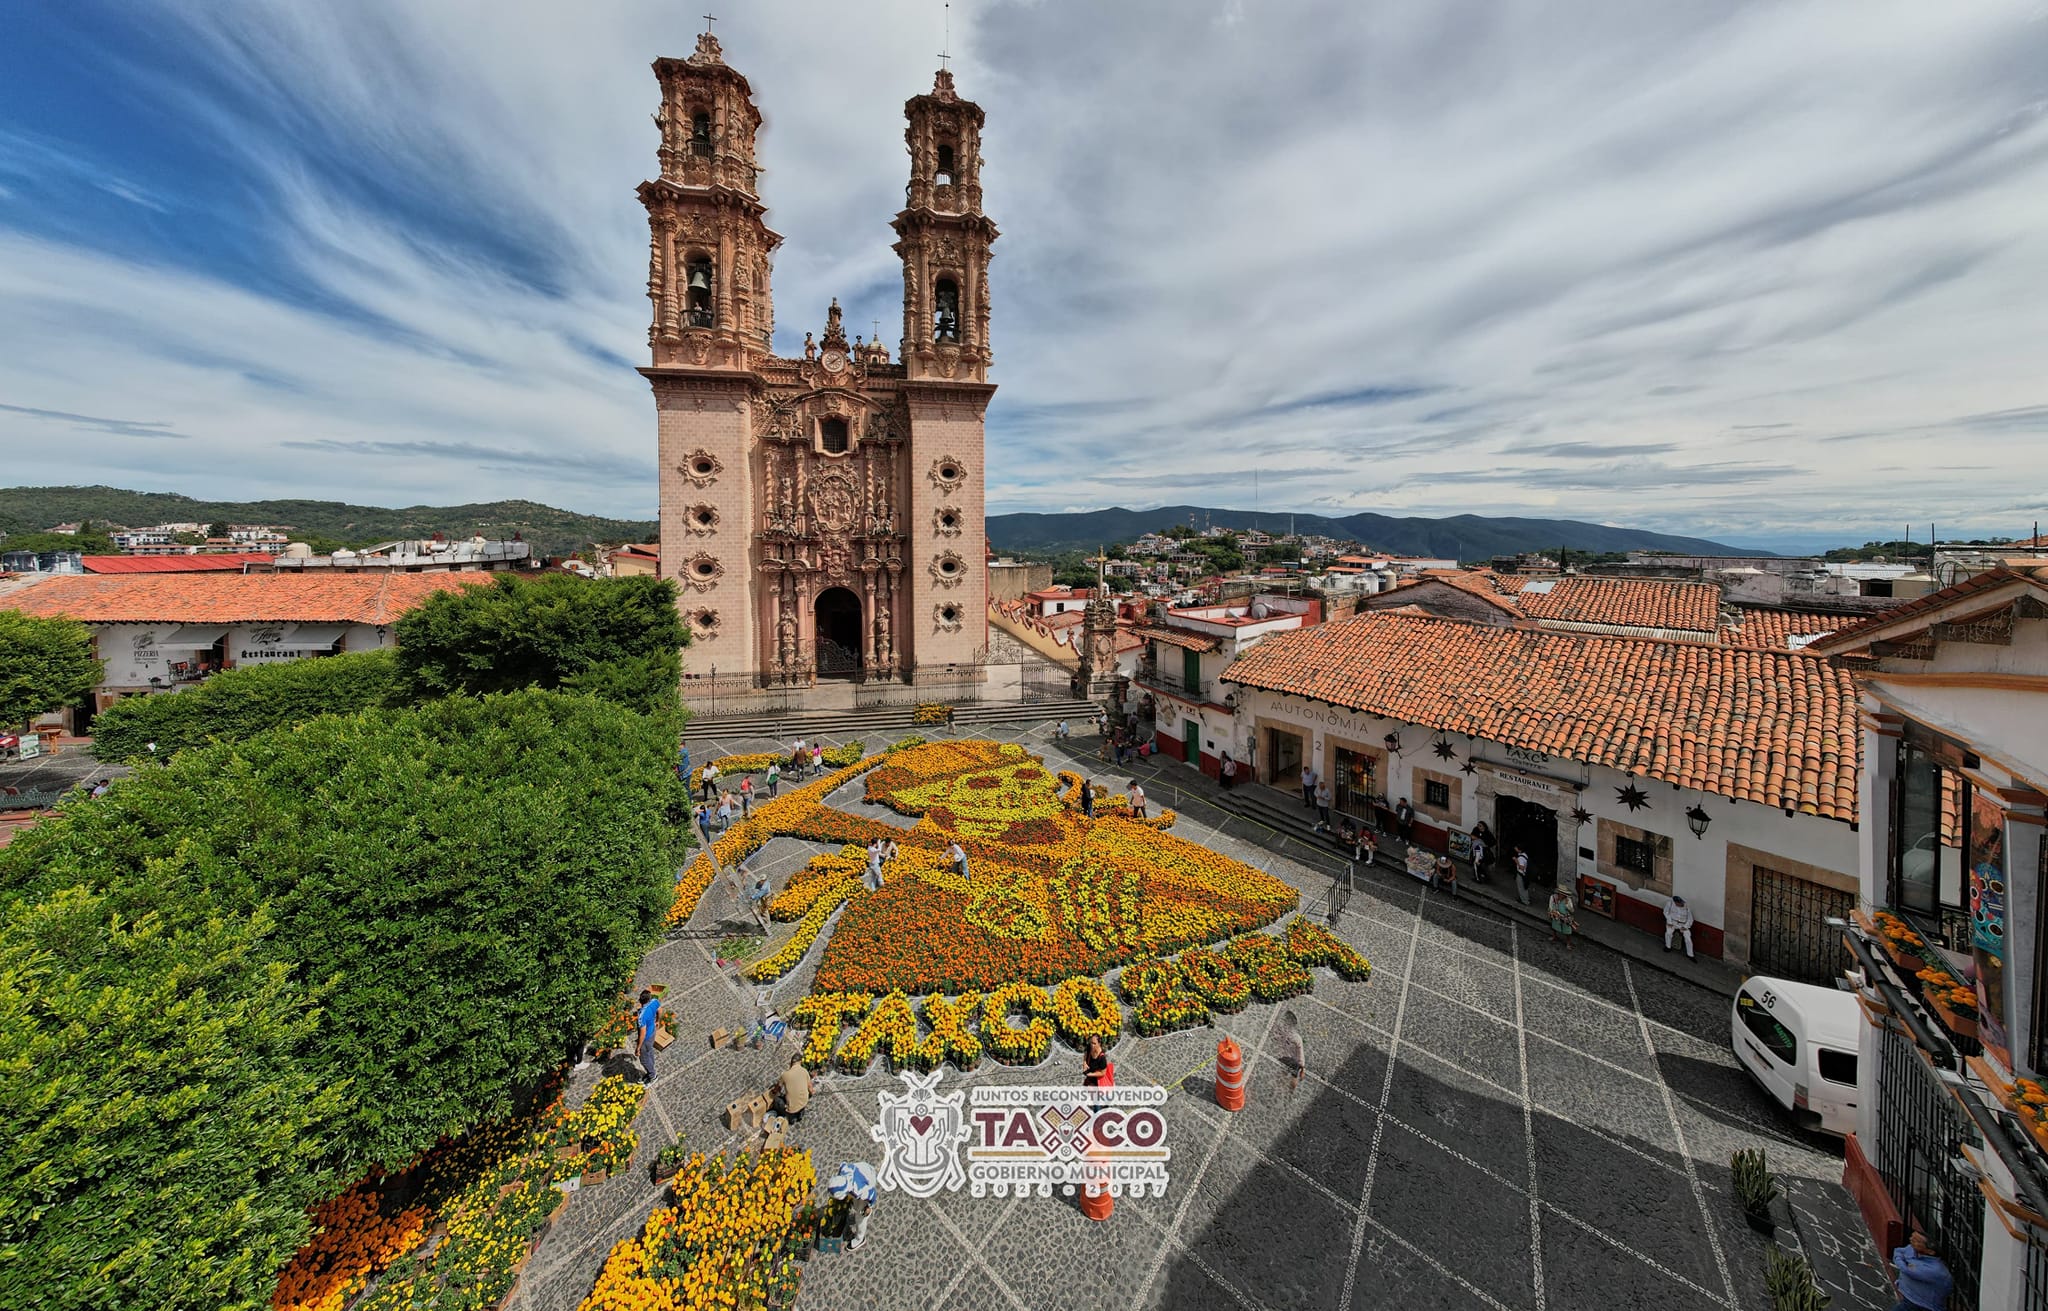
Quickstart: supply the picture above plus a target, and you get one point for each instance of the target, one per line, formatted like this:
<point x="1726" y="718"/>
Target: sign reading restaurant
<point x="268" y="644"/>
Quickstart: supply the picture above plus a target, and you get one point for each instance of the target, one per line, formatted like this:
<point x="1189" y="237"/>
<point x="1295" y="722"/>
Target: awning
<point x="305" y="635"/>
<point x="192" y="637"/>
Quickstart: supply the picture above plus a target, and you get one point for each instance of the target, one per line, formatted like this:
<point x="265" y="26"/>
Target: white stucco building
<point x="1628" y="769"/>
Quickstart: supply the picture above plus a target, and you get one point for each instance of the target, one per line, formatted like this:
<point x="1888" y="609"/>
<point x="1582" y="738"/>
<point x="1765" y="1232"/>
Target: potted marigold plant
<point x="1954" y="1003"/>
<point x="2029" y="1101"/>
<point x="1901" y="943"/>
<point x="668" y="1162"/>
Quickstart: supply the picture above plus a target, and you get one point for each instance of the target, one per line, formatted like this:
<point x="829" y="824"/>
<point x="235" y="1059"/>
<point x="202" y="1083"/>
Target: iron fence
<point x="2034" y="1285"/>
<point x="1920" y="1130"/>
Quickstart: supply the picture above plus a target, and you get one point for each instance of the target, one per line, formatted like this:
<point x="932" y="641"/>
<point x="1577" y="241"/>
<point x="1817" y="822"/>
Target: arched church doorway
<point x="839" y="630"/>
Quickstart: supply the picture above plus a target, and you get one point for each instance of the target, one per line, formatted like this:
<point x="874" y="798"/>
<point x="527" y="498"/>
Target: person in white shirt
<point x="1678" y="923"/>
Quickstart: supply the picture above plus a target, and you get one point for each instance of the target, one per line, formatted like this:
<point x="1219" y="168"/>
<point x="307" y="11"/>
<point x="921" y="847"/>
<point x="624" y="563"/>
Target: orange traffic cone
<point x="1229" y="1075"/>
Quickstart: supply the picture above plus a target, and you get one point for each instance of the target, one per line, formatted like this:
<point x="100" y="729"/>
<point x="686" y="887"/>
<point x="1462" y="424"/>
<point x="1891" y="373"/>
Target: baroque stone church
<point x="821" y="515"/>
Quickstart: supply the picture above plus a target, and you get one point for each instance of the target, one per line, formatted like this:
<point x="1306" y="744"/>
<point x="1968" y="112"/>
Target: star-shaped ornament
<point x="1632" y="796"/>
<point x="1444" y="749"/>
<point x="1469" y="767"/>
<point x="1581" y="815"/>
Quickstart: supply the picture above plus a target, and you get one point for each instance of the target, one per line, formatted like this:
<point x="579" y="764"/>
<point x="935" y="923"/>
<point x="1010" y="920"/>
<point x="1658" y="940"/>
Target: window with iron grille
<point x="1436" y="794"/>
<point x="1637" y="854"/>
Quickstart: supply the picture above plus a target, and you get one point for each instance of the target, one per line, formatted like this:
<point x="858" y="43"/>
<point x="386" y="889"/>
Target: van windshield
<point x="1838" y="1067"/>
<point x="1776" y="1038"/>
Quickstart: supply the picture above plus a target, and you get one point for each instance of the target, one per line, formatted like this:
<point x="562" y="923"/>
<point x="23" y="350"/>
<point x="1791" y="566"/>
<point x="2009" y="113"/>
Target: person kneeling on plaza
<point x="1678" y="923"/>
<point x="792" y="1092"/>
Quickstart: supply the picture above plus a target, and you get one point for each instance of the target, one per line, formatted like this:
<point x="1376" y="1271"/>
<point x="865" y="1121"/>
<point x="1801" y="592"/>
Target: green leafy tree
<point x="83" y="542"/>
<point x="354" y="936"/>
<point x="161" y="1126"/>
<point x="620" y="636"/>
<point x="45" y="665"/>
<point x="241" y="703"/>
<point x="1899" y="550"/>
<point x="218" y="529"/>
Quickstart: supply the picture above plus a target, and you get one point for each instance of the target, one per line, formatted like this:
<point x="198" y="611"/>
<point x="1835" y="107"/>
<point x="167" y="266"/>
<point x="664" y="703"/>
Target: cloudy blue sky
<point x="1755" y="271"/>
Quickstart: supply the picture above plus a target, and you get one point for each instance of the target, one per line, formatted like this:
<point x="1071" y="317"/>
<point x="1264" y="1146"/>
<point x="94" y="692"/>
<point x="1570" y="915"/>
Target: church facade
<point x="822" y="515"/>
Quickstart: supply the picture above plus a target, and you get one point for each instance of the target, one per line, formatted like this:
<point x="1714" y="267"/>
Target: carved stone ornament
<point x="705" y="622"/>
<point x="947" y="473"/>
<point x="948" y="569"/>
<point x="701" y="468"/>
<point x="702" y="571"/>
<point x="834" y="502"/>
<point x="700" y="520"/>
<point x="946" y="521"/>
<point x="946" y="616"/>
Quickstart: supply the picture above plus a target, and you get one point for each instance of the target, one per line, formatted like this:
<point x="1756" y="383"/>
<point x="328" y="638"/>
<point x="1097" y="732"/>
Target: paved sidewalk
<point x="1170" y="782"/>
<point x="1489" y="1121"/>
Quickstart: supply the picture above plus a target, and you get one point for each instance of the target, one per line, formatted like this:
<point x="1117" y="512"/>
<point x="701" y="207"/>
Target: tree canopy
<point x="621" y="637"/>
<point x="45" y="665"/>
<point x="234" y="982"/>
<point x="241" y="703"/>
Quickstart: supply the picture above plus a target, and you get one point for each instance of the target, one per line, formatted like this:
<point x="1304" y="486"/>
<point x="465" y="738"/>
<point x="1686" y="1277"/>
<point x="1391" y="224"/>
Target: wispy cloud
<point x="95" y="423"/>
<point x="1413" y="258"/>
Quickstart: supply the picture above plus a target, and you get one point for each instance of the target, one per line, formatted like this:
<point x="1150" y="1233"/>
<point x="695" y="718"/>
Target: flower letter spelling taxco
<point x="1024" y="1139"/>
<point x="920" y="1133"/>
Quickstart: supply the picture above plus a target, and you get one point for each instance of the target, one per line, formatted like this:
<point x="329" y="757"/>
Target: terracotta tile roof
<point x="1474" y="581"/>
<point x="238" y="598"/>
<point x="1623" y="602"/>
<point x="1774" y="630"/>
<point x="1184" y="638"/>
<point x="1774" y="728"/>
<point x="222" y="562"/>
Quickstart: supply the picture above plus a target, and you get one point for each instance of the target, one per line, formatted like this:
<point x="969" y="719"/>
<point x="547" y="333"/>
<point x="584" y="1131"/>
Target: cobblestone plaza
<point x="1489" y="1121"/>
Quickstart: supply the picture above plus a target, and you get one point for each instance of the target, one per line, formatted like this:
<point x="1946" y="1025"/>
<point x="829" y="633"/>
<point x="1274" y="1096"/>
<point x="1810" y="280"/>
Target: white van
<point x="1799" y="1041"/>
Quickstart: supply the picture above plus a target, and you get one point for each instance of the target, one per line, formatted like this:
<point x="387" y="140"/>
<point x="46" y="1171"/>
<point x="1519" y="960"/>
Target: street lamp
<point x="1697" y="820"/>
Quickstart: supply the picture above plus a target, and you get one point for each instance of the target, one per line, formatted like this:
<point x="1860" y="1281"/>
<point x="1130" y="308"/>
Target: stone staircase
<point x="1283" y="813"/>
<point x="788" y="725"/>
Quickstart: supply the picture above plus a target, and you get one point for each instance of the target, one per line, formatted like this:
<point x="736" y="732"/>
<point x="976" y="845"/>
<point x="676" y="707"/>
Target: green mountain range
<point x="1466" y="537"/>
<point x="552" y="531"/>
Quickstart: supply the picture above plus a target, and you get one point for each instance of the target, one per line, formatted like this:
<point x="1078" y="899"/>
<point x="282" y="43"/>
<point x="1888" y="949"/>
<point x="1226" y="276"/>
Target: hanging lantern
<point x="1697" y="820"/>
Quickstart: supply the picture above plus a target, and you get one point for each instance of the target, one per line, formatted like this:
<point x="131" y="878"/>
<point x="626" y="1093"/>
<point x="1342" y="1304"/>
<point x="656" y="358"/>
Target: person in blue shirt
<point x="650" y="1007"/>
<point x="683" y="764"/>
<point x="1924" y="1282"/>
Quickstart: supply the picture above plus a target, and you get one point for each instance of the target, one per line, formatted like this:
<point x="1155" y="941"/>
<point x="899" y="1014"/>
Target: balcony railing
<point x="1150" y="675"/>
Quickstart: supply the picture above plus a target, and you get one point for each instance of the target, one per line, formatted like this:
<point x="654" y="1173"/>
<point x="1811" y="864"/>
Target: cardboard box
<point x="662" y="1038"/>
<point x="735" y="1115"/>
<point x="719" y="1038"/>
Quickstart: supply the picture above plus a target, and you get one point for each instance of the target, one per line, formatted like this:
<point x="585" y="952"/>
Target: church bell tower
<point x="944" y="239"/>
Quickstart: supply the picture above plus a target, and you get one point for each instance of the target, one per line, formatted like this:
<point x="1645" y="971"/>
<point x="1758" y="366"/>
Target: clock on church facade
<point x="821" y="515"/>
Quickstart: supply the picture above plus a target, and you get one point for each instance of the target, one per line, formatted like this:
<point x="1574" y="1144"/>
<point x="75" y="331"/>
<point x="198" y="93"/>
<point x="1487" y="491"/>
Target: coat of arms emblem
<point x="921" y="1134"/>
